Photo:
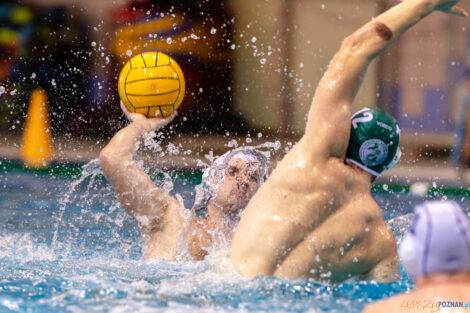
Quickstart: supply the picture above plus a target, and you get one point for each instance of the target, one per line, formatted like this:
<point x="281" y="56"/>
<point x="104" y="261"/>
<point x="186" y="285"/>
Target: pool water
<point x="66" y="245"/>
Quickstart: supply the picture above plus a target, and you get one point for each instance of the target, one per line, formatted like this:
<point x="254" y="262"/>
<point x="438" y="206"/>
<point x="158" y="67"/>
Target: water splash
<point x="89" y="171"/>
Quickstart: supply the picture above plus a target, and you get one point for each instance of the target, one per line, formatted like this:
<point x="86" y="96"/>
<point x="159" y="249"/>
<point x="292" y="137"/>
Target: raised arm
<point x="136" y="191"/>
<point x="328" y="126"/>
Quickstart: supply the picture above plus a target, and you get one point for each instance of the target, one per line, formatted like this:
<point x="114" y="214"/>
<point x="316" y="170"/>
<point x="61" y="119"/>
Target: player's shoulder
<point x="390" y="305"/>
<point x="376" y="307"/>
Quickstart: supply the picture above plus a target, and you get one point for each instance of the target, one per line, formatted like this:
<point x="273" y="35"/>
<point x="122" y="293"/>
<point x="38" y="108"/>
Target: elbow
<point x="352" y="47"/>
<point x="106" y="159"/>
<point x="354" y="42"/>
<point x="349" y="42"/>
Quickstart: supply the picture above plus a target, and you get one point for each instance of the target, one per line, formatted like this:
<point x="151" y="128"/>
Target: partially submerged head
<point x="231" y="180"/>
<point x="438" y="240"/>
<point x="373" y="142"/>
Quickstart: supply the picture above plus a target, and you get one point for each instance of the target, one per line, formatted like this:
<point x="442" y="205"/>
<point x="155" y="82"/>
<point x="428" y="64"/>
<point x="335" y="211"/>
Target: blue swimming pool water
<point x="67" y="246"/>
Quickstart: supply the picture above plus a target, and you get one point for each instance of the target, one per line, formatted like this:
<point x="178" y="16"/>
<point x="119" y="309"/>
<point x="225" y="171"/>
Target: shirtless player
<point x="435" y="252"/>
<point x="228" y="184"/>
<point x="315" y="216"/>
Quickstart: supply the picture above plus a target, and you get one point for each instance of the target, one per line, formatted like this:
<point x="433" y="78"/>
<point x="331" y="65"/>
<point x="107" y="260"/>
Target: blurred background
<point x="251" y="68"/>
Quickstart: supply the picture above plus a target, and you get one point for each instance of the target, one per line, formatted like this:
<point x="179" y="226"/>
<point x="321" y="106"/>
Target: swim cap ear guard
<point x="373" y="142"/>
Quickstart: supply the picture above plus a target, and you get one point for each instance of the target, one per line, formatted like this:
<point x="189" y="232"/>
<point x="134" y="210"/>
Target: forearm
<point x="125" y="142"/>
<point x="137" y="193"/>
<point x="374" y="37"/>
<point x="343" y="78"/>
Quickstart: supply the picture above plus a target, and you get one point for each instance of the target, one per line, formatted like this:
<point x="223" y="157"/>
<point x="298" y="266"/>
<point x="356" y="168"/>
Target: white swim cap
<point x="407" y="255"/>
<point x="438" y="240"/>
<point x="215" y="174"/>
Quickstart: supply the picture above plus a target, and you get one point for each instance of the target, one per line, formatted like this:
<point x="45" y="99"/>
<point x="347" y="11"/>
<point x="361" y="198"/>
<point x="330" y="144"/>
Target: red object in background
<point x="8" y="52"/>
<point x="123" y="15"/>
<point x="4" y="69"/>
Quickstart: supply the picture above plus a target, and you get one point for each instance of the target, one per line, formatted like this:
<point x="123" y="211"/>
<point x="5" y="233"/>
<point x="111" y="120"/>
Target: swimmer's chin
<point x="361" y="171"/>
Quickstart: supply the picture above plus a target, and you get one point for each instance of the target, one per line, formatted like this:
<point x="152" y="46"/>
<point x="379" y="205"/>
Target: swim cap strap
<point x="368" y="170"/>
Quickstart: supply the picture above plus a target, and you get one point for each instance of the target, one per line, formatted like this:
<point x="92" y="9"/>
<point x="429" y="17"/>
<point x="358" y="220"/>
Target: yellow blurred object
<point x="21" y="15"/>
<point x="170" y="33"/>
<point x="151" y="83"/>
<point x="8" y="37"/>
<point x="37" y="146"/>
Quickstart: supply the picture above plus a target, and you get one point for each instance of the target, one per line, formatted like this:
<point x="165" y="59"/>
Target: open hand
<point x="449" y="6"/>
<point x="149" y="124"/>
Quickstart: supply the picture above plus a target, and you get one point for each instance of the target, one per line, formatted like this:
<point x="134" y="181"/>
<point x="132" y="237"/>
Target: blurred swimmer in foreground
<point x="436" y="253"/>
<point x="227" y="186"/>
<point x="315" y="216"/>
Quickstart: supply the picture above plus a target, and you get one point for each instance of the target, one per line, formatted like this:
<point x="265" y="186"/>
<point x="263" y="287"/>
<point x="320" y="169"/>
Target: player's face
<point x="239" y="185"/>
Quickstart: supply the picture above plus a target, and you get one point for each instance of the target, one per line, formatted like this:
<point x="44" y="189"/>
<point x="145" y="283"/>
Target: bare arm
<point x="328" y="126"/>
<point x="135" y="190"/>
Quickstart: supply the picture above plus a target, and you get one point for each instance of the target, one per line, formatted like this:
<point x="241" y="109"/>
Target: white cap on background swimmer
<point x="438" y="240"/>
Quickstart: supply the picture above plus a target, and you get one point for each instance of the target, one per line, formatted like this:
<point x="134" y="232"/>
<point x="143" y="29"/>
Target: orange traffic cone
<point x="37" y="146"/>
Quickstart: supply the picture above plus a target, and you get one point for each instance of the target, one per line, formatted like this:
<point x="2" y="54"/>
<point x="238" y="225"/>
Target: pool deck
<point x="192" y="151"/>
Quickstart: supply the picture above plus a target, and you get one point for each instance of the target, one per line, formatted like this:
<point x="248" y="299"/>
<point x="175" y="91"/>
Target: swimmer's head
<point x="232" y="180"/>
<point x="241" y="180"/>
<point x="373" y="143"/>
<point x="438" y="240"/>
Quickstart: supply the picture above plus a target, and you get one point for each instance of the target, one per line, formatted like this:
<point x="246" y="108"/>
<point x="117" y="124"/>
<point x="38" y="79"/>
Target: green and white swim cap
<point x="373" y="143"/>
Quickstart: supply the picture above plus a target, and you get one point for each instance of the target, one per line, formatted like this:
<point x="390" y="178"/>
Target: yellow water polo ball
<point x="151" y="83"/>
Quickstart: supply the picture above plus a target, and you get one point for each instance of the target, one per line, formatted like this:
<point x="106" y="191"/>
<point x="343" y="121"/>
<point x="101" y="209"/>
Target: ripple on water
<point x="96" y="264"/>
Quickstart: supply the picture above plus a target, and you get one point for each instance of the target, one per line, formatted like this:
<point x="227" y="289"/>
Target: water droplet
<point x="2" y="90"/>
<point x="232" y="47"/>
<point x="213" y="30"/>
<point x="253" y="39"/>
<point x="169" y="41"/>
<point x="193" y="36"/>
<point x="93" y="44"/>
<point x="262" y="61"/>
<point x="129" y="52"/>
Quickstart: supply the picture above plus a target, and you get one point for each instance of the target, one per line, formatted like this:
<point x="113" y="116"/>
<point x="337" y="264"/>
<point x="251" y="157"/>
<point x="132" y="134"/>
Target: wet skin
<point x="165" y="230"/>
<point x="429" y="291"/>
<point x="314" y="216"/>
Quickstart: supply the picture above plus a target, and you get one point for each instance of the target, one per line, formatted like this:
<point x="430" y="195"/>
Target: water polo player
<point x="315" y="216"/>
<point x="168" y="230"/>
<point x="436" y="254"/>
